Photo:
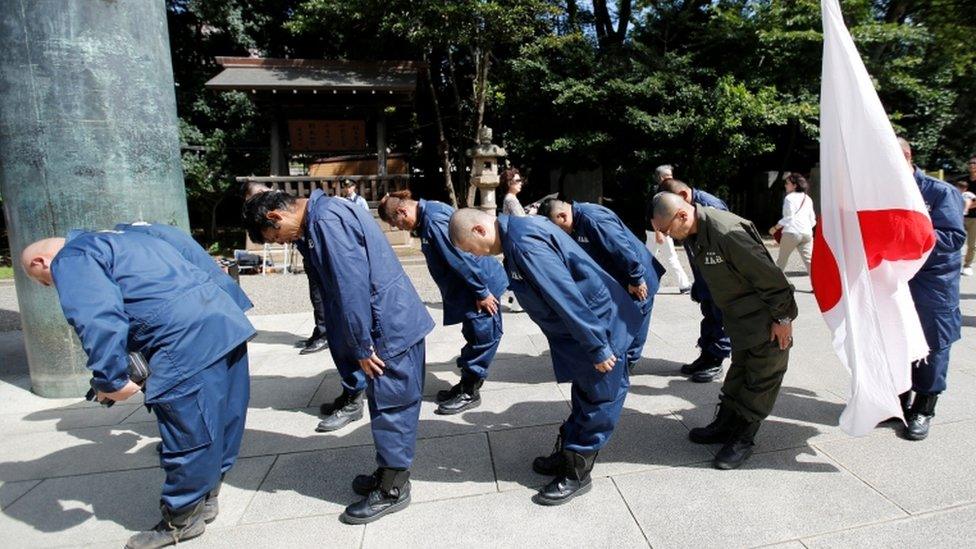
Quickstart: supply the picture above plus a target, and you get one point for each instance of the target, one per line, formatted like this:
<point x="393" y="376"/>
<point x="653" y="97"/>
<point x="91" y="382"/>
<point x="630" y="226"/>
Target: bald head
<point x="672" y="215"/>
<point x="676" y="186"/>
<point x="36" y="259"/>
<point x="475" y="231"/>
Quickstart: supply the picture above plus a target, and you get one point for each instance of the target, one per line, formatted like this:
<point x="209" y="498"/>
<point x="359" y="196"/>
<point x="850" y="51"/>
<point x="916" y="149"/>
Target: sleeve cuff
<point x="603" y="354"/>
<point x="637" y="281"/>
<point x="107" y="386"/>
<point x="483" y="293"/>
<point x="363" y="353"/>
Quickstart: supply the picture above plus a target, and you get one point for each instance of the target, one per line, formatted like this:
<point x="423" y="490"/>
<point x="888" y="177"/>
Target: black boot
<point x="177" y="525"/>
<point x="314" y="345"/>
<point x="738" y="449"/>
<point x="906" y="403"/>
<point x="210" y="507"/>
<point x="364" y="484"/>
<point x="573" y="481"/>
<point x="345" y="409"/>
<point x="391" y="495"/>
<point x="716" y="432"/>
<point x="703" y="369"/>
<point x="463" y="396"/>
<point x="919" y="418"/>
<point x="553" y="463"/>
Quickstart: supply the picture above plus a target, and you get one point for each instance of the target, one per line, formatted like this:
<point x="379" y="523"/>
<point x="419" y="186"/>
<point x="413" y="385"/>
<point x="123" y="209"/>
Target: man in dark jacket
<point x="469" y="287"/>
<point x="125" y="291"/>
<point x="589" y="320"/>
<point x="935" y="290"/>
<point x="757" y="307"/>
<point x="376" y="326"/>
<point x="611" y="244"/>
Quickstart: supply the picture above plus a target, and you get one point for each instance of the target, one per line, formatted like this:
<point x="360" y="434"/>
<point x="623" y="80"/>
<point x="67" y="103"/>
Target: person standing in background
<point x="511" y="181"/>
<point x="349" y="193"/>
<point x="657" y="242"/>
<point x="969" y="180"/>
<point x="797" y="222"/>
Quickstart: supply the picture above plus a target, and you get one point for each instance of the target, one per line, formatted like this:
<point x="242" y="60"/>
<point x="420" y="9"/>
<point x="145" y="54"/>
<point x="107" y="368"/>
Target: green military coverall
<point x="752" y="293"/>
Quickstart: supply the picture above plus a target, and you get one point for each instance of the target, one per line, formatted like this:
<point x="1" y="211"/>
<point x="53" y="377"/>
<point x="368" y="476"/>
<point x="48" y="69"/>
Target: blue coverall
<point x="584" y="313"/>
<point x="603" y="235"/>
<point x="935" y="288"/>
<point x="371" y="306"/>
<point x="126" y="291"/>
<point x="194" y="253"/>
<point x="712" y="339"/>
<point x="462" y="278"/>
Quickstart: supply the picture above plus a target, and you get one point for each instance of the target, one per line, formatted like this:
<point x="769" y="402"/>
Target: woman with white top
<point x="797" y="223"/>
<point x="659" y="242"/>
<point x="511" y="181"/>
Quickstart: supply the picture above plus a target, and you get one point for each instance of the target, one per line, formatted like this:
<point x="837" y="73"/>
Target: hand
<point x="782" y="333"/>
<point x="658" y="236"/>
<point x="130" y="389"/>
<point x="640" y="292"/>
<point x="489" y="304"/>
<point x="606" y="365"/>
<point x="773" y="229"/>
<point x="372" y="365"/>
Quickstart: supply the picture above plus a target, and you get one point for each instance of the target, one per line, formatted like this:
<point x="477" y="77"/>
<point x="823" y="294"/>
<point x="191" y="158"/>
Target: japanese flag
<point x="874" y="235"/>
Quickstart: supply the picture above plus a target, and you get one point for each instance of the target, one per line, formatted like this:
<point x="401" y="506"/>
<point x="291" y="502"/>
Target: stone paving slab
<point x="949" y="529"/>
<point x="918" y="477"/>
<point x="773" y="497"/>
<point x="510" y="519"/>
<point x="318" y="483"/>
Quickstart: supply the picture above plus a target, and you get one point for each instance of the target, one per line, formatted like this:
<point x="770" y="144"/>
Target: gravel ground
<point x="288" y="293"/>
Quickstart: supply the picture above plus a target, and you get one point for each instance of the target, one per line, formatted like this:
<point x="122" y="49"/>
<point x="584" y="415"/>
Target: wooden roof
<point x="253" y="74"/>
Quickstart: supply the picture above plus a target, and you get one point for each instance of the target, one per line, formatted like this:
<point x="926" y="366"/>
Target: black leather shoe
<point x="718" y="431"/>
<point x="177" y="525"/>
<point x="448" y="394"/>
<point x="738" y="449"/>
<point x="391" y="495"/>
<point x="573" y="481"/>
<point x="553" y="463"/>
<point x="314" y="346"/>
<point x="920" y="416"/>
<point x="345" y="409"/>
<point x="704" y="362"/>
<point x="466" y="397"/>
<point x="364" y="484"/>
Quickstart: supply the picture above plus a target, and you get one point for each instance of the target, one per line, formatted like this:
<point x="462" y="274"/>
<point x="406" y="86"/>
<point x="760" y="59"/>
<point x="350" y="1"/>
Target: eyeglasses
<point x="666" y="231"/>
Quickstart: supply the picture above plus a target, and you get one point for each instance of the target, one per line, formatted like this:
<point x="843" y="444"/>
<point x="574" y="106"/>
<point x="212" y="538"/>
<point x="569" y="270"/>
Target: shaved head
<point x="475" y="231"/>
<point x="672" y="215"/>
<point x="36" y="259"/>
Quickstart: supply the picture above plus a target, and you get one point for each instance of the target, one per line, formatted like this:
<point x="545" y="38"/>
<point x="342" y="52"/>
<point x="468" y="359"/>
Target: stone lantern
<point x="484" y="170"/>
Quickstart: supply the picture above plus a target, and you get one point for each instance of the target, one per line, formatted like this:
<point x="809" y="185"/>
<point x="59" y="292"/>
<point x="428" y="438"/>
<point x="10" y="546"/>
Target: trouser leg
<point x="597" y="400"/>
<point x="482" y="334"/>
<point x="787" y="244"/>
<point x="929" y="375"/>
<point x="754" y="379"/>
<point x="394" y="407"/>
<point x="637" y="347"/>
<point x="235" y="413"/>
<point x="806" y="250"/>
<point x="713" y="339"/>
<point x="970" y="223"/>
<point x="318" y="301"/>
<point x="191" y="425"/>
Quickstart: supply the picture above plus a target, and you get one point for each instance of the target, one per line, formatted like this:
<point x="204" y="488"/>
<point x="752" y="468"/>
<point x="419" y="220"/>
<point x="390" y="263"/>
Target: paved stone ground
<point x="76" y="475"/>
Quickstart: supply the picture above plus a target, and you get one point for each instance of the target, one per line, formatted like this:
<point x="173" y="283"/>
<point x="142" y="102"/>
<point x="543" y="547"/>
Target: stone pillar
<point x="88" y="138"/>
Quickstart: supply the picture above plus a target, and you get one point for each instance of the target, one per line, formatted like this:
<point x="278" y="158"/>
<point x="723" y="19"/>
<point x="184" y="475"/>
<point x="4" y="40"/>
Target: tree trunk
<point x="443" y="148"/>
<point x="479" y="96"/>
<point x="460" y="160"/>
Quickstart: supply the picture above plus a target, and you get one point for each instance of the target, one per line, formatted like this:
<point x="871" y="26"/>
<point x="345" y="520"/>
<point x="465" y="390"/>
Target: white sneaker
<point x="967" y="271"/>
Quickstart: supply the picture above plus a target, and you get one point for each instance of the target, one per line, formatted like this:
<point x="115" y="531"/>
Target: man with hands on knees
<point x="757" y="306"/>
<point x="589" y="320"/>
<point x="376" y="325"/>
<point x="126" y="291"/>
<point x="469" y="286"/>
<point x="602" y="234"/>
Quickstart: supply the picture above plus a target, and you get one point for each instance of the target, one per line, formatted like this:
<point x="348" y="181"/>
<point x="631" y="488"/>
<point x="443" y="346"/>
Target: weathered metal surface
<point x="88" y="138"/>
